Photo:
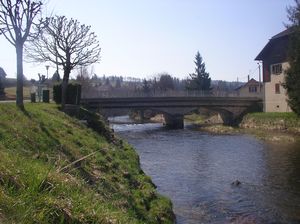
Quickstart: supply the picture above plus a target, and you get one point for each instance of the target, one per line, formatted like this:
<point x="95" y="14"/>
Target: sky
<point x="143" y="38"/>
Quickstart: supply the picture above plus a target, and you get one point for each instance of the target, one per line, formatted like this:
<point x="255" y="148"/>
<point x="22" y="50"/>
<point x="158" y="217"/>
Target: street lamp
<point x="259" y="74"/>
<point x="47" y="68"/>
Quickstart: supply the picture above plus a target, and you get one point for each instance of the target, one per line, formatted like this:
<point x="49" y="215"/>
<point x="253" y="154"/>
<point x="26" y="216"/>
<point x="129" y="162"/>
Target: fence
<point x="117" y="93"/>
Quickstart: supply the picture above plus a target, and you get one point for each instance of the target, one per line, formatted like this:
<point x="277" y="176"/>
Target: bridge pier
<point x="229" y="118"/>
<point x="142" y="115"/>
<point x="174" y="121"/>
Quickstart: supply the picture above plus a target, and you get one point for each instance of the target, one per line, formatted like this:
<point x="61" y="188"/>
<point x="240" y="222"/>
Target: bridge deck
<point x="144" y="102"/>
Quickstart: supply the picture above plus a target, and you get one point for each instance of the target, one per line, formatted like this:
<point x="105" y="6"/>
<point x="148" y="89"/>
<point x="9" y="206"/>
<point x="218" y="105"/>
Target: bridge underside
<point x="174" y="117"/>
<point x="231" y="110"/>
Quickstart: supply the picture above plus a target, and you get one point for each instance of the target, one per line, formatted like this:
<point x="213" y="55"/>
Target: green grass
<point x="273" y="121"/>
<point x="275" y="115"/>
<point x="195" y="118"/>
<point x="40" y="183"/>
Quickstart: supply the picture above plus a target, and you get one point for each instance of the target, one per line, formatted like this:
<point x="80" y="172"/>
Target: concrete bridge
<point x="231" y="109"/>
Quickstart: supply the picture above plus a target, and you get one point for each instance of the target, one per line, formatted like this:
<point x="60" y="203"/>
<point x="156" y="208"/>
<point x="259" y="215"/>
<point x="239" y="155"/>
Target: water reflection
<point x="196" y="171"/>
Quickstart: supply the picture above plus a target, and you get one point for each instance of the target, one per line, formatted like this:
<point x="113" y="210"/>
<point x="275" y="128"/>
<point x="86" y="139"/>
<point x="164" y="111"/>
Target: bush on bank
<point x="53" y="169"/>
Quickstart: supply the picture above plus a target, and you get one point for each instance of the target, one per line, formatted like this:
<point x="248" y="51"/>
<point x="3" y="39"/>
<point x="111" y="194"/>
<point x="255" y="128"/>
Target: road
<point x="12" y="101"/>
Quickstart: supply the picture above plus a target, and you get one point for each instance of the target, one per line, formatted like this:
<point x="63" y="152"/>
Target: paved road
<point x="12" y="101"/>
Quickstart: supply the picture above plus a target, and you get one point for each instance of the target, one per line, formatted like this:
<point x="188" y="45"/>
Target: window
<point x="252" y="89"/>
<point x="276" y="69"/>
<point x="277" y="88"/>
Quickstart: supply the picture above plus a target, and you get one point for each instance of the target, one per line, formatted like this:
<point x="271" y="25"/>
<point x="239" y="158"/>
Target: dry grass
<point x="11" y="92"/>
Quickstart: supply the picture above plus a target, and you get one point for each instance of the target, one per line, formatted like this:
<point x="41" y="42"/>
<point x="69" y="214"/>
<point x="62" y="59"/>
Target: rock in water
<point x="236" y="183"/>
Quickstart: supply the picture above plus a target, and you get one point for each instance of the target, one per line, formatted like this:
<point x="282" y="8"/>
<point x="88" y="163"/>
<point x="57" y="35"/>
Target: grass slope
<point x="272" y="121"/>
<point x="41" y="182"/>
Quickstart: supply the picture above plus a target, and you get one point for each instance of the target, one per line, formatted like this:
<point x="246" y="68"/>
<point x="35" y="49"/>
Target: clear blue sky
<point x="142" y="38"/>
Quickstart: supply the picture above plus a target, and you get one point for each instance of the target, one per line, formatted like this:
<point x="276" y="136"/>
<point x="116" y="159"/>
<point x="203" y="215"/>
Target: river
<point x="200" y="172"/>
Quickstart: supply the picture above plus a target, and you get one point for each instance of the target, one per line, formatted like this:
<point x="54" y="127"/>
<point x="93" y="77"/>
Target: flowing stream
<point x="218" y="178"/>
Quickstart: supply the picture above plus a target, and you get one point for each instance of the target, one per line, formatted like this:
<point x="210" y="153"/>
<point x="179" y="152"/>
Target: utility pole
<point x="259" y="76"/>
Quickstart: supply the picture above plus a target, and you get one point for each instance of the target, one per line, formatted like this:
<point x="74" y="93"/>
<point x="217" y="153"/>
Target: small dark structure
<point x="2" y="80"/>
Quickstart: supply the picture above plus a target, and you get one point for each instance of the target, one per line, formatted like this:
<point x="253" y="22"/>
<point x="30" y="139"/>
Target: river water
<point x="200" y="173"/>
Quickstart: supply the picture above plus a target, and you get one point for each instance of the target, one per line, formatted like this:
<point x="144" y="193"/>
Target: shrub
<point x="73" y="93"/>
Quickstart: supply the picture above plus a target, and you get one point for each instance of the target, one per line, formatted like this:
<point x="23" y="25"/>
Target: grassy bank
<point x="275" y="127"/>
<point x="272" y="121"/>
<point x="53" y="169"/>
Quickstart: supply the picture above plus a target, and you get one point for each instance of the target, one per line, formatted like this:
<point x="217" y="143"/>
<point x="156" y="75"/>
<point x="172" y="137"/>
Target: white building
<point x="275" y="63"/>
<point x="250" y="89"/>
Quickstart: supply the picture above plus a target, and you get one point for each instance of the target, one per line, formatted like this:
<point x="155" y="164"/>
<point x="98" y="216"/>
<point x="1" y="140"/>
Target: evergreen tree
<point x="292" y="80"/>
<point x="56" y="77"/>
<point x="118" y="83"/>
<point x="146" y="87"/>
<point x="95" y="77"/>
<point x="199" y="80"/>
<point x="107" y="82"/>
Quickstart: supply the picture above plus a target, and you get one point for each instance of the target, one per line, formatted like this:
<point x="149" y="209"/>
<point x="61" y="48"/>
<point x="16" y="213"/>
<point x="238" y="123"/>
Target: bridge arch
<point x="174" y="117"/>
<point x="231" y="109"/>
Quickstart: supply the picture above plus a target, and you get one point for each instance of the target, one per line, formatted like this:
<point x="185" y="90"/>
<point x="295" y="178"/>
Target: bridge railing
<point x="90" y="93"/>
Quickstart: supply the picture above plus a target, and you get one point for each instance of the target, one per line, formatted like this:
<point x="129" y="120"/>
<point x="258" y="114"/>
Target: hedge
<point x="73" y="93"/>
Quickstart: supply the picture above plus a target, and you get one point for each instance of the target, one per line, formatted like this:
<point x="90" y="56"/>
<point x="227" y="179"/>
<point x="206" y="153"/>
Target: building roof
<point x="284" y="33"/>
<point x="249" y="83"/>
<point x="276" y="48"/>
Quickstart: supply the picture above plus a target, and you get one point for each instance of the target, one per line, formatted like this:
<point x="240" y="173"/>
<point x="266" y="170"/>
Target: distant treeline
<point x="163" y="81"/>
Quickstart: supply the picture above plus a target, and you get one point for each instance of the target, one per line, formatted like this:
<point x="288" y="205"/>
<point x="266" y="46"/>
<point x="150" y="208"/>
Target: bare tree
<point x="66" y="43"/>
<point x="16" y="20"/>
<point x="84" y="77"/>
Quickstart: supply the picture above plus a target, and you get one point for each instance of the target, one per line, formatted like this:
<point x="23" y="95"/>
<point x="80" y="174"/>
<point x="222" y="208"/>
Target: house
<point x="250" y="89"/>
<point x="274" y="57"/>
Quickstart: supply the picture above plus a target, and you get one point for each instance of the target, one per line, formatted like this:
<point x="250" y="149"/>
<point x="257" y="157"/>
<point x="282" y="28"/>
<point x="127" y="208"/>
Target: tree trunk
<point x="64" y="87"/>
<point x="67" y="71"/>
<point x="20" y="75"/>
